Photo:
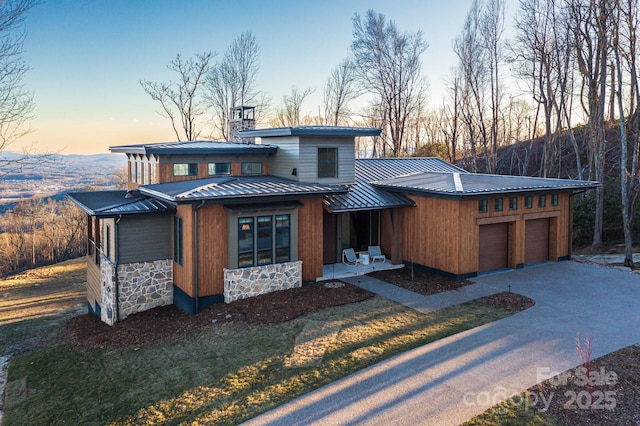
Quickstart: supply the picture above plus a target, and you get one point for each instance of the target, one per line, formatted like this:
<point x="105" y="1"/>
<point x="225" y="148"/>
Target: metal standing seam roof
<point x="364" y="196"/>
<point x="233" y="188"/>
<point x="310" y="131"/>
<point x="469" y="184"/>
<point x="196" y="148"/>
<point x="115" y="203"/>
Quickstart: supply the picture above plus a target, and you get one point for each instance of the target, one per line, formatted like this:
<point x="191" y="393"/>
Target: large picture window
<point x="256" y="242"/>
<point x="327" y="162"/>
<point x="178" y="254"/>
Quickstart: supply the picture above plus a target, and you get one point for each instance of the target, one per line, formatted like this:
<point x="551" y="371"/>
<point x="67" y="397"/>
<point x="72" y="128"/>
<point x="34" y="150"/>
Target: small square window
<point x="542" y="201"/>
<point x="497" y="204"/>
<point x="482" y="206"/>
<point x="513" y="203"/>
<point x="251" y="168"/>
<point x="554" y="200"/>
<point x="185" y="169"/>
<point x="219" y="168"/>
<point x="528" y="202"/>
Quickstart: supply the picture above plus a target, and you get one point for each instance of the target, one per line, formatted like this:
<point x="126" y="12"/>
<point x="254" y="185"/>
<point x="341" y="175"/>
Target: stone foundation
<point x="249" y="282"/>
<point x="141" y="286"/>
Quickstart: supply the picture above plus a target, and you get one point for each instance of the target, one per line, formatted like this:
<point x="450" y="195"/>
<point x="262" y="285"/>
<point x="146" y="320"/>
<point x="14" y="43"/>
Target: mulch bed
<point x="576" y="403"/>
<point x="508" y="301"/>
<point x="144" y="327"/>
<point x="422" y="282"/>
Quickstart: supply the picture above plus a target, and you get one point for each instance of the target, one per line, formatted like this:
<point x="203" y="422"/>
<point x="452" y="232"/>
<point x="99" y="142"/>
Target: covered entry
<point x="356" y="229"/>
<point x="494" y="247"/>
<point x="536" y="246"/>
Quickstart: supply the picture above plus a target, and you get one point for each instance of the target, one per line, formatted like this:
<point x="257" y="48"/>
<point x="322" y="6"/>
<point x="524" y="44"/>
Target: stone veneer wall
<point x="249" y="282"/>
<point x="141" y="286"/>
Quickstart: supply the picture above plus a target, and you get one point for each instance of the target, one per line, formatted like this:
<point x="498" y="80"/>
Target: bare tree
<point x="339" y="90"/>
<point x="16" y="103"/>
<point x="232" y="82"/>
<point x="288" y="114"/>
<point x="181" y="100"/>
<point x="590" y="23"/>
<point x="387" y="63"/>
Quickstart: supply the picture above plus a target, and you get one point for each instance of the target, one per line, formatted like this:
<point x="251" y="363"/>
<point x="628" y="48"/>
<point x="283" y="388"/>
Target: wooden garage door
<point x="494" y="246"/>
<point x="536" y="241"/>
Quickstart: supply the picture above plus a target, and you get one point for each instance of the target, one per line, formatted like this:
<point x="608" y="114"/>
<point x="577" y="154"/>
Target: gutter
<point x="196" y="256"/>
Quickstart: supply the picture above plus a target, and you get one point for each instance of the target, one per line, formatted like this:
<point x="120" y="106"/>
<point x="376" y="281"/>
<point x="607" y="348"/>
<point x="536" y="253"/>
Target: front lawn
<point x="222" y="373"/>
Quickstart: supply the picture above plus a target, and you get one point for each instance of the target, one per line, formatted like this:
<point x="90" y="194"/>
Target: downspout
<point x="115" y="261"/>
<point x="196" y="259"/>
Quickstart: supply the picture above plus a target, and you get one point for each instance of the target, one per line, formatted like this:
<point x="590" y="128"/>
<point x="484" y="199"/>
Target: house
<point x="209" y="222"/>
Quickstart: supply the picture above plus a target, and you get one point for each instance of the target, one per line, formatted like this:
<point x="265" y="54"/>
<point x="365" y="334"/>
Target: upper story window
<point x="554" y="200"/>
<point x="497" y="204"/>
<point x="185" y="169"/>
<point x="542" y="201"/>
<point x="219" y="168"/>
<point x="132" y="171"/>
<point x="528" y="202"/>
<point x="251" y="168"/>
<point x="482" y="206"/>
<point x="327" y="162"/>
<point x="513" y="203"/>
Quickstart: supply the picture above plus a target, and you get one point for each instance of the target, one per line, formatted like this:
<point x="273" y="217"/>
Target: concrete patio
<point x="341" y="270"/>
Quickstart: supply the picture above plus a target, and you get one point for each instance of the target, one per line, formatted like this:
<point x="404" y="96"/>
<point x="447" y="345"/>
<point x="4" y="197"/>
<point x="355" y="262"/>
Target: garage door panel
<point x="494" y="247"/>
<point x="536" y="246"/>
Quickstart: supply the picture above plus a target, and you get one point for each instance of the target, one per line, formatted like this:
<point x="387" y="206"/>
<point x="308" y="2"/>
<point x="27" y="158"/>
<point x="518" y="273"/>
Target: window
<point x="513" y="203"/>
<point x="327" y="162"/>
<point x="107" y="232"/>
<point x="132" y="171"/>
<point x="256" y="242"/>
<point x="152" y="172"/>
<point x="177" y="240"/>
<point x="497" y="204"/>
<point x="245" y="241"/>
<point x="542" y="201"/>
<point x="554" y="200"/>
<point x="144" y="171"/>
<point x="251" y="168"/>
<point x="528" y="202"/>
<point x="219" y="168"/>
<point x="185" y="169"/>
<point x="482" y="206"/>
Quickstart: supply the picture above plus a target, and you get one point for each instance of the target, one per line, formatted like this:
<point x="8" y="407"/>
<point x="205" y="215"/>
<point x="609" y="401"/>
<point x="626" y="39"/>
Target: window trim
<point x="325" y="164"/>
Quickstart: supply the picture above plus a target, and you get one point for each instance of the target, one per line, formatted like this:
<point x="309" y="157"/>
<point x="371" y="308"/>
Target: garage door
<point x="494" y="246"/>
<point x="536" y="241"/>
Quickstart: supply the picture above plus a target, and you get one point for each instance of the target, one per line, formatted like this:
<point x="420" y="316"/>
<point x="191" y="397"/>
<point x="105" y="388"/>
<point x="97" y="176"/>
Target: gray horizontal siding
<point x="286" y="159"/>
<point x="144" y="238"/>
<point x="308" y="169"/>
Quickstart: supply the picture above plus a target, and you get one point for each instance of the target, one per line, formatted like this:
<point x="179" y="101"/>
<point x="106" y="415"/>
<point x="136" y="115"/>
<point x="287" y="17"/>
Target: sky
<point x="86" y="57"/>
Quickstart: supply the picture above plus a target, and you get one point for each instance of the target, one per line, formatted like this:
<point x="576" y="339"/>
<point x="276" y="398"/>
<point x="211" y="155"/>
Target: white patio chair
<point x="349" y="257"/>
<point x="376" y="254"/>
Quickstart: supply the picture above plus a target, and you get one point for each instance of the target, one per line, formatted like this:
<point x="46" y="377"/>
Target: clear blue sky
<point x="87" y="56"/>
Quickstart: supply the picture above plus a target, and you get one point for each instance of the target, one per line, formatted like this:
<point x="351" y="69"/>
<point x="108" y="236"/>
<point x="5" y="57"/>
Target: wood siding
<point x="212" y="249"/>
<point x="183" y="275"/>
<point x="444" y="234"/>
<point x="94" y="286"/>
<point x="310" y="241"/>
<point x="145" y="238"/>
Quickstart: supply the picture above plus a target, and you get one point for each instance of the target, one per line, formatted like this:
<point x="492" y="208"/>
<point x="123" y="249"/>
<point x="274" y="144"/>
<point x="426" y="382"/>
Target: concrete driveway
<point x="449" y="381"/>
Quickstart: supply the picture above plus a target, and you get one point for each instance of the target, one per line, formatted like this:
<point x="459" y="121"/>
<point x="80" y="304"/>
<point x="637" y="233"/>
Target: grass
<point x="31" y="302"/>
<point x="222" y="374"/>
<point x="516" y="411"/>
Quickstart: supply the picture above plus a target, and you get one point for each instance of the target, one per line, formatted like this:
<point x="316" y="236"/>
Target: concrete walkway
<point x="451" y="380"/>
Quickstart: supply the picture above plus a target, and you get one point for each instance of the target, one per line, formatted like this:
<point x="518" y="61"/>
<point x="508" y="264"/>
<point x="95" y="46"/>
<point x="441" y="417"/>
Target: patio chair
<point x="376" y="254"/>
<point x="349" y="257"/>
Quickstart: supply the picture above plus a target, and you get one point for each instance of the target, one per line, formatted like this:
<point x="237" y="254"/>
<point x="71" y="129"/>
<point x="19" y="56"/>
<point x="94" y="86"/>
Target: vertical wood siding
<point x="94" y="293"/>
<point x="183" y="275"/>
<point x="212" y="249"/>
<point x="310" y="238"/>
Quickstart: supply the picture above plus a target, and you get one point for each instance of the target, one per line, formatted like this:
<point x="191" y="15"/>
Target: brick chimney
<point x="241" y="118"/>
